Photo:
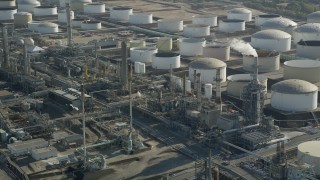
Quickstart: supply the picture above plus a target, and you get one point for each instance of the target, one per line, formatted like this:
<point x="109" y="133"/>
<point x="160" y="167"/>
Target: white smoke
<point x="243" y="47"/>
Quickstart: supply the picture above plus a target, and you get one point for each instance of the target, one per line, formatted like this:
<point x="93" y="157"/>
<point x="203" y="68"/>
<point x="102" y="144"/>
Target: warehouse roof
<point x="26" y="144"/>
<point x="294" y="86"/>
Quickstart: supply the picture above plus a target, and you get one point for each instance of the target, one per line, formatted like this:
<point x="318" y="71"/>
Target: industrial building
<point x="44" y="153"/>
<point x="26" y="147"/>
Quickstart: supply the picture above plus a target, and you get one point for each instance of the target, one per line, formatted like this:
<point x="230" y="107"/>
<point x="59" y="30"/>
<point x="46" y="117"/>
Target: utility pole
<point x="84" y="128"/>
<point x="130" y="97"/>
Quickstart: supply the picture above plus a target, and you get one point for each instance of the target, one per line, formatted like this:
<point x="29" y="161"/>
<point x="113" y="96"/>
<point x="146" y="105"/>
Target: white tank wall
<point x="33" y="25"/>
<point x="304" y="155"/>
<point x="242" y="16"/>
<point x="62" y="16"/>
<point x="208" y="90"/>
<point x="137" y="43"/>
<point x="294" y="102"/>
<point x="22" y="19"/>
<point x="265" y="64"/>
<point x="7" y="14"/>
<point x="121" y="15"/>
<point x="164" y="44"/>
<point x="47" y="29"/>
<point x="208" y="75"/>
<point x="137" y="67"/>
<point x="170" y="25"/>
<point x="141" y="18"/>
<point x="191" y="47"/>
<point x="45" y="11"/>
<point x="76" y="22"/>
<point x="24" y="7"/>
<point x="217" y="51"/>
<point x="90" y="26"/>
<point x="188" y="86"/>
<point x="297" y="36"/>
<point x="310" y="52"/>
<point x="166" y="62"/>
<point x="307" y="70"/>
<point x="237" y="82"/>
<point x="144" y="54"/>
<point x="229" y="27"/>
<point x="142" y="68"/>
<point x="209" y="20"/>
<point x="94" y="8"/>
<point x="280" y="45"/>
<point x="262" y="19"/>
<point x="194" y="31"/>
<point x="8" y="3"/>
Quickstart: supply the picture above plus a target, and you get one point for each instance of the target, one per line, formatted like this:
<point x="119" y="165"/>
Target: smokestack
<point x="218" y="89"/>
<point x="124" y="66"/>
<point x="5" y="46"/>
<point x="69" y="26"/>
<point x="26" y="59"/>
<point x="195" y="80"/>
<point x="199" y="86"/>
<point x="83" y="127"/>
<point x="184" y="84"/>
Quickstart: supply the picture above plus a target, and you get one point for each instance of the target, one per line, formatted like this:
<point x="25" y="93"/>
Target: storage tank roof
<point x="314" y="15"/>
<point x="309" y="28"/>
<point x="279" y="23"/>
<point x="207" y="63"/>
<point x="29" y="2"/>
<point x="23" y="13"/>
<point x="294" y="86"/>
<point x="310" y="147"/>
<point x="271" y="34"/>
<point x="81" y="1"/>
<point x="239" y="10"/>
<point x="48" y="24"/>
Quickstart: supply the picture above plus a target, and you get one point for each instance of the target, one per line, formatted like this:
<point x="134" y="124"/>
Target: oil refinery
<point x="151" y="89"/>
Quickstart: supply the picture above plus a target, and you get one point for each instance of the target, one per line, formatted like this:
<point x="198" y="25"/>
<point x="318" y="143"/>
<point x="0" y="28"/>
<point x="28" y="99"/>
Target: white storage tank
<point x="208" y="90"/>
<point x="45" y="11"/>
<point x="196" y="30"/>
<point x="268" y="61"/>
<point x="231" y="25"/>
<point x="121" y="13"/>
<point x="164" y="44"/>
<point x="62" y="16"/>
<point x="307" y="70"/>
<point x="314" y="17"/>
<point x="91" y="25"/>
<point x="237" y="82"/>
<point x="141" y="18"/>
<point x="142" y="68"/>
<point x="142" y="54"/>
<point x="281" y="23"/>
<point x="308" y="49"/>
<point x="271" y="39"/>
<point x="260" y="19"/>
<point x="166" y="60"/>
<point x="7" y="3"/>
<point x="76" y="22"/>
<point x="221" y="52"/>
<point x="94" y="8"/>
<point x="78" y="4"/>
<point x="33" y="25"/>
<point x="7" y="13"/>
<point x="28" y="5"/>
<point x="207" y="67"/>
<point x="170" y="25"/>
<point x="240" y="13"/>
<point x="307" y="32"/>
<point x="209" y="20"/>
<point x="191" y="46"/>
<point x="21" y="19"/>
<point x="136" y="67"/>
<point x="188" y="86"/>
<point x="308" y="152"/>
<point x="294" y="95"/>
<point x="137" y="43"/>
<point x="47" y="28"/>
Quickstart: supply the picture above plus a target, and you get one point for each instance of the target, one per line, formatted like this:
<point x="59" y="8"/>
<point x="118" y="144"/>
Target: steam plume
<point x="243" y="47"/>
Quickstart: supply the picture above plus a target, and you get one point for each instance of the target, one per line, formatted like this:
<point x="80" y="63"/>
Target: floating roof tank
<point x="240" y="13"/>
<point x="191" y="46"/>
<point x="94" y="8"/>
<point x="196" y="30"/>
<point x="308" y="49"/>
<point x="269" y="61"/>
<point x="231" y="25"/>
<point x="121" y="13"/>
<point x="7" y="13"/>
<point x="45" y="10"/>
<point x="28" y="5"/>
<point x="142" y="54"/>
<point x="304" y="69"/>
<point x="141" y="18"/>
<point x="166" y="60"/>
<point x="170" y="25"/>
<point x="221" y="52"/>
<point x="209" y="20"/>
<point x="47" y="28"/>
<point x="308" y="152"/>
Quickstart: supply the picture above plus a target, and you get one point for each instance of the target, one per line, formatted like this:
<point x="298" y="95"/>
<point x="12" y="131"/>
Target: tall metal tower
<point x="5" y="45"/>
<point x="69" y="26"/>
<point x="130" y="97"/>
<point x="83" y="127"/>
<point x="124" y="66"/>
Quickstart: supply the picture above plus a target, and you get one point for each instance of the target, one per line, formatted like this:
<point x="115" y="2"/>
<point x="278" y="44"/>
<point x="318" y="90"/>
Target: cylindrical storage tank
<point x="268" y="61"/>
<point x="77" y="22"/>
<point x="314" y="17"/>
<point x="231" y="25"/>
<point x="141" y="18"/>
<point x="136" y="67"/>
<point x="142" y="68"/>
<point x="7" y="3"/>
<point x="164" y="44"/>
<point x="281" y="23"/>
<point x="47" y="28"/>
<point x="209" y="20"/>
<point x="62" y="16"/>
<point x="308" y="152"/>
<point x="188" y="86"/>
<point x="91" y="25"/>
<point x="240" y="13"/>
<point x="78" y="4"/>
<point x="271" y="39"/>
<point x="294" y="95"/>
<point x="28" y="5"/>
<point x="137" y="43"/>
<point x="170" y="25"/>
<point x="22" y="18"/>
<point x="260" y="19"/>
<point x="45" y="11"/>
<point x="307" y="70"/>
<point x="308" y="49"/>
<point x="221" y="52"/>
<point x="307" y="32"/>
<point x="166" y="60"/>
<point x="142" y="54"/>
<point x="207" y="67"/>
<point x="121" y="13"/>
<point x="191" y="46"/>
<point x="33" y="25"/>
<point x="7" y="13"/>
<point x="237" y="82"/>
<point x="208" y="90"/>
<point x="62" y="3"/>
<point x="196" y="30"/>
<point x="94" y="8"/>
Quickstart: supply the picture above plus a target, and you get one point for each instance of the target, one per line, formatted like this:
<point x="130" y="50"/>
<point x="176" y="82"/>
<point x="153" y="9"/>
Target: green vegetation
<point x="298" y="9"/>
